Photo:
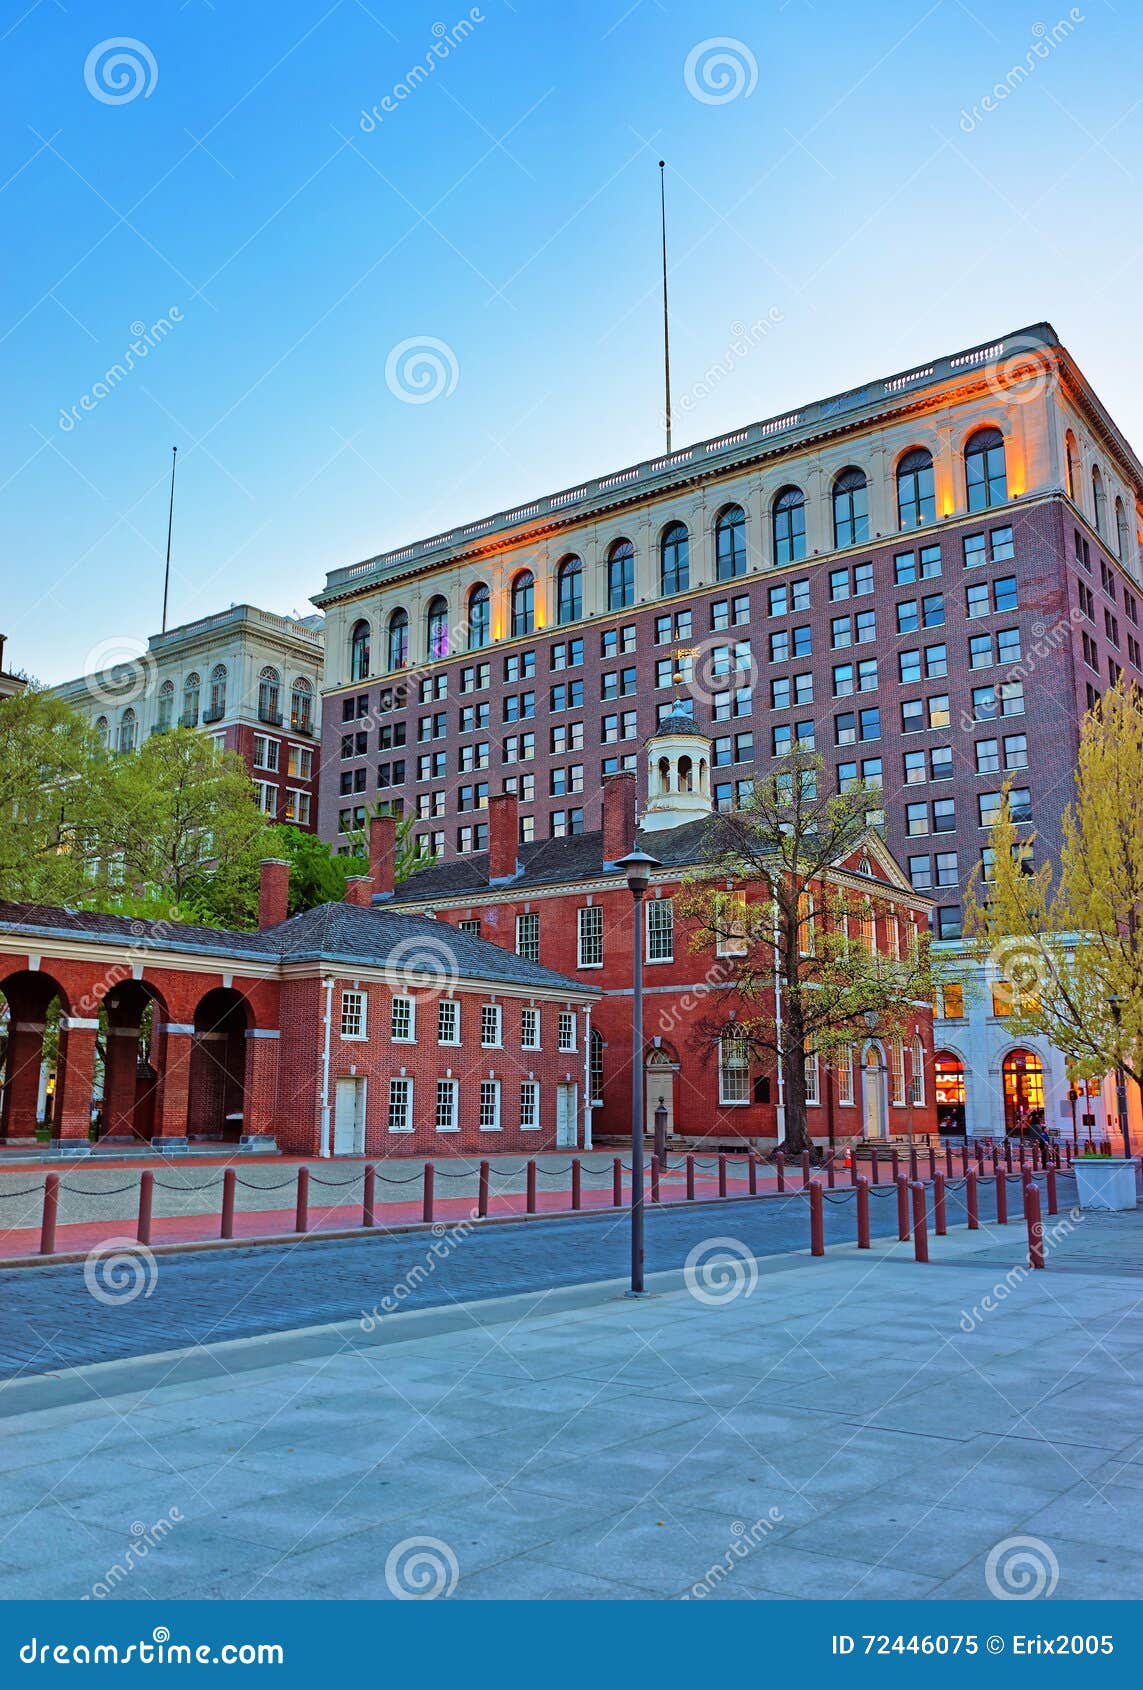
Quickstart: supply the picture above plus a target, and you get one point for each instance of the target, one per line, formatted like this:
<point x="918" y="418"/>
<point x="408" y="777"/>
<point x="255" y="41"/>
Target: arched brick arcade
<point x="31" y="995"/>
<point x="216" y="1105"/>
<point x="132" y="1019"/>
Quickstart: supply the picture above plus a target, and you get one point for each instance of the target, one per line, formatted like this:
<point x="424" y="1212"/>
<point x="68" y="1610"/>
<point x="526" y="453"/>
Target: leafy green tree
<point x="52" y="767"/>
<point x="178" y="827"/>
<point x="806" y="932"/>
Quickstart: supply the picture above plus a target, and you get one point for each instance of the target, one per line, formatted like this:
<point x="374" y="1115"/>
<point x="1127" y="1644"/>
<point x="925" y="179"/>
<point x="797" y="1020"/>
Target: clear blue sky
<point x="509" y="209"/>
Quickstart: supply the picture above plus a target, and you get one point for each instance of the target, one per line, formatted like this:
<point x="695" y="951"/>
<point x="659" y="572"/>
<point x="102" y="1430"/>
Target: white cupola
<point x="678" y="772"/>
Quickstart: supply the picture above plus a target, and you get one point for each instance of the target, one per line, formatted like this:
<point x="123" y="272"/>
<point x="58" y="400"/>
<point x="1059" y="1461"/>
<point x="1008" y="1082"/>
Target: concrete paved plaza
<point x="858" y="1426"/>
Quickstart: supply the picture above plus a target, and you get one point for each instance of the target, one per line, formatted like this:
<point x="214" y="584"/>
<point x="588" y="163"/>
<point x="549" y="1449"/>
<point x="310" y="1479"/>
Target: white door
<point x="659" y="1087"/>
<point x="349" y="1118"/>
<point x="873" y="1079"/>
<point x="567" y="1112"/>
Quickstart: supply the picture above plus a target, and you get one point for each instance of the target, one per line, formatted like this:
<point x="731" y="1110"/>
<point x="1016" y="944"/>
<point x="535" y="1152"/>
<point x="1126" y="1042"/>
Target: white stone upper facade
<point x="242" y="666"/>
<point x="1057" y="438"/>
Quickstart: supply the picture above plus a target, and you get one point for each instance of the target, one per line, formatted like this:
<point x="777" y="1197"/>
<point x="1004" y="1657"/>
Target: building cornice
<point x="922" y="389"/>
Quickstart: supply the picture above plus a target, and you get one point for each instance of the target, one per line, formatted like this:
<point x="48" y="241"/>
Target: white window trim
<point x="732" y="1102"/>
<point x="406" y="1083"/>
<point x="530" y="1009"/>
<point x="668" y="929"/>
<point x="409" y="1038"/>
<point x="581" y="923"/>
<point x="363" y="997"/>
<point x="455" y="1087"/>
<point x="455" y="1040"/>
<point x="498" y="1042"/>
<point x="536" y="1125"/>
<point x="497" y="1125"/>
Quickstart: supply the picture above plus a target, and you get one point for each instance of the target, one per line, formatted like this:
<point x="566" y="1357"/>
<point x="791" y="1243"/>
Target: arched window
<point x="398" y="654"/>
<point x="730" y="543"/>
<point x="948" y="1083"/>
<point x="985" y="476"/>
<point x="270" y="697"/>
<point x="569" y="590"/>
<point x="523" y="604"/>
<point x="621" y="576"/>
<point x="479" y="611"/>
<point x="103" y="729"/>
<point x="789" y="519"/>
<point x="1120" y="530"/>
<point x="127" y="730"/>
<point x="1023" y="1075"/>
<point x="217" y="709"/>
<point x="166" y="705"/>
<point x="1098" y="503"/>
<point x="359" y="652"/>
<point x="596" y="1065"/>
<point x="302" y="706"/>
<point x="674" y="559"/>
<point x="192" y="695"/>
<point x="850" y="508"/>
<point x="437" y="628"/>
<point x="1071" y="471"/>
<point x="916" y="489"/>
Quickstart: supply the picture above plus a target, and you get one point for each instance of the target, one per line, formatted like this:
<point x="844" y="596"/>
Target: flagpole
<point x="170" y="524"/>
<point x="666" y="326"/>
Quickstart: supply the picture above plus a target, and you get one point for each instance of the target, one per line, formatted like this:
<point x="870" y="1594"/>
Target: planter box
<point x="1105" y="1182"/>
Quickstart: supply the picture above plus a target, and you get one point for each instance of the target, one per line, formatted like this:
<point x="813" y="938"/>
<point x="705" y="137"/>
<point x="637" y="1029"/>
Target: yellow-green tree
<point x="1069" y="937"/>
<point x="52" y="768"/>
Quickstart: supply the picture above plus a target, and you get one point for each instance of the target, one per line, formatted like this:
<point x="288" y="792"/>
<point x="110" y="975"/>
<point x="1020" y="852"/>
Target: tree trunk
<point x="794" y="1084"/>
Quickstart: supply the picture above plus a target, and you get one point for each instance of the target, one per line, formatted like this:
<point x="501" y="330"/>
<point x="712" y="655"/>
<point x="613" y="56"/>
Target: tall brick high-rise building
<point x="928" y="578"/>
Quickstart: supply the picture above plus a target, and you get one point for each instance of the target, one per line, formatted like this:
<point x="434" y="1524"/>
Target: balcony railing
<point x="300" y="725"/>
<point x="215" y="714"/>
<point x="271" y="718"/>
<point x="188" y="719"/>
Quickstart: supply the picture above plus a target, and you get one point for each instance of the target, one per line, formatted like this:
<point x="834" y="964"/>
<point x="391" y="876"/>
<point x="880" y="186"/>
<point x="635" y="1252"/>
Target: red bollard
<point x="817" y="1219"/>
<point x="430" y="1183"/>
<point x="874" y="1169"/>
<point x="1022" y="1152"/>
<point x="979" y="1148"/>
<point x="369" y="1196"/>
<point x="780" y="1169"/>
<point x="226" y="1224"/>
<point x="1001" y="1197"/>
<point x="482" y="1191"/>
<point x="920" y="1223"/>
<point x="146" y="1199"/>
<point x="948" y="1161"/>
<point x="902" y="1208"/>
<point x="576" y="1188"/>
<point x="914" y="1172"/>
<point x="995" y="1160"/>
<point x="1053" y="1206"/>
<point x="932" y="1163"/>
<point x="302" y="1205"/>
<point x="617" y="1183"/>
<point x="895" y="1165"/>
<point x="655" y="1196"/>
<point x="1035" y="1225"/>
<point x="940" y="1212"/>
<point x="690" y="1179"/>
<point x="50" y="1214"/>
<point x="862" y="1212"/>
<point x="805" y="1169"/>
<point x="1008" y="1154"/>
<point x="530" y="1186"/>
<point x="752" y="1171"/>
<point x="972" y="1200"/>
<point x="722" y="1176"/>
<point x="853" y="1167"/>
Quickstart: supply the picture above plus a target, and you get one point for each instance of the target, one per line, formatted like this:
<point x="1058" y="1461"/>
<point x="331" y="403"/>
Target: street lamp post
<point x="638" y="867"/>
<point x="1116" y="1008"/>
<point x="1073" y="1099"/>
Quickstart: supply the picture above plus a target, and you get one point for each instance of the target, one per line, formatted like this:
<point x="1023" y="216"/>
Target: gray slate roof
<point x="338" y="933"/>
<point x="554" y="862"/>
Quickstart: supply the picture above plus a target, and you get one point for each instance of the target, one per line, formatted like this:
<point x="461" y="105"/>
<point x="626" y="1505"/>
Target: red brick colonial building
<point x="346" y="1029"/>
<point x="565" y="903"/>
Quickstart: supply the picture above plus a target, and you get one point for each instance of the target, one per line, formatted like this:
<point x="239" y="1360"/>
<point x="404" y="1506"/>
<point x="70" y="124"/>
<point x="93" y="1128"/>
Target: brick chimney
<point x="618" y="816"/>
<point x="273" y="892"/>
<point x="383" y="854"/>
<point x="503" y="837"/>
<point x="359" y="890"/>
